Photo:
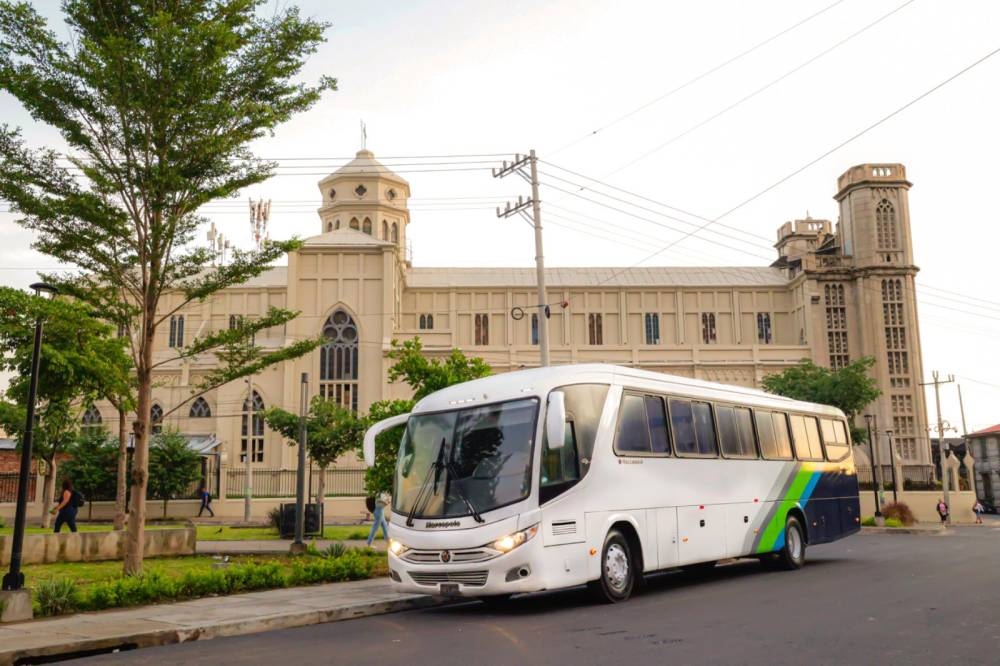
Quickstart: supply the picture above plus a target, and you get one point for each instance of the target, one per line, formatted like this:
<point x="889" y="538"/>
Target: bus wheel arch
<point x="619" y="575"/>
<point x="628" y="531"/>
<point x="797" y="512"/>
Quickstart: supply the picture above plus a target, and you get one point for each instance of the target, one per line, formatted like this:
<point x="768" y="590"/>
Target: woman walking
<point x="381" y="501"/>
<point x="66" y="509"/>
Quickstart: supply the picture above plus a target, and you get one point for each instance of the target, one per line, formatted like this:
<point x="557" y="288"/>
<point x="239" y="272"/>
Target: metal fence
<point x="8" y="487"/>
<point x="281" y="482"/>
<point x="915" y="477"/>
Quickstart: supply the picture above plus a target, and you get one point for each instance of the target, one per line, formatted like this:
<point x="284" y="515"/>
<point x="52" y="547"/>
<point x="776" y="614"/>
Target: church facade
<point x="834" y="294"/>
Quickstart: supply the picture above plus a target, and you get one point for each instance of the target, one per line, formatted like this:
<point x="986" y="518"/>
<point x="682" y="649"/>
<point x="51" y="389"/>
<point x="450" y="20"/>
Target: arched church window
<point x="355" y="224"/>
<point x="329" y="226"/>
<point x="394" y="237"/>
<point x="385" y="230"/>
<point x="367" y="226"/>
<point x="155" y="419"/>
<point x="338" y="360"/>
<point x="336" y="224"/>
<point x="200" y="409"/>
<point x="91" y="418"/>
<point x="254" y="438"/>
<point x="885" y="226"/>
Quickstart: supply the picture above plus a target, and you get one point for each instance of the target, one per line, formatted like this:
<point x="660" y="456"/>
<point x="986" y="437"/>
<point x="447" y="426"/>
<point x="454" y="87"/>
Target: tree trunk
<point x="321" y="488"/>
<point x="122" y="484"/>
<point x="48" y="491"/>
<point x="165" y="500"/>
<point x="140" y="462"/>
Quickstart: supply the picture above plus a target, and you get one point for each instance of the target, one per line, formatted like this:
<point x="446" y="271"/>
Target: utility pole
<point x="876" y="484"/>
<point x="961" y="408"/>
<point x="248" y="468"/>
<point x="536" y="222"/>
<point x="942" y="446"/>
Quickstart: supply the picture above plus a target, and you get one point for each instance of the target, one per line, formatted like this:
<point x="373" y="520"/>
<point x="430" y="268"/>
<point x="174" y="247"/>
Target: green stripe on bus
<point x="776" y="526"/>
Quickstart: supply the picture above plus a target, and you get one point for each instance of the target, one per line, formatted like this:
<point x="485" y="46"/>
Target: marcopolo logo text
<point x="442" y="523"/>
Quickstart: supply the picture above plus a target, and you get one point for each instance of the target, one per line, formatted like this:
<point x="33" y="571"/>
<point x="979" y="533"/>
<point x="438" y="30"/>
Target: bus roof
<point x="538" y="381"/>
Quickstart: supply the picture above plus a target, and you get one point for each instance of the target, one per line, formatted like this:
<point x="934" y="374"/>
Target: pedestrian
<point x="65" y="511"/>
<point x="206" y="501"/>
<point x="942" y="510"/>
<point x="978" y="509"/>
<point x="381" y="501"/>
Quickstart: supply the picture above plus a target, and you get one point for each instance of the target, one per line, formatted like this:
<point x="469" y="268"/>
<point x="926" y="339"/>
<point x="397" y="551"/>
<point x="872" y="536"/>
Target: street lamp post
<point x="14" y="579"/>
<point x="871" y="452"/>
<point x="895" y="482"/>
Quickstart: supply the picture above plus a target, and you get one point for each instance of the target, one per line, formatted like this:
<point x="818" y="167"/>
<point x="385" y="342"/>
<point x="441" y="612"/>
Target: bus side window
<point x="835" y="439"/>
<point x="783" y="443"/>
<point x="736" y="432"/>
<point x="682" y="422"/>
<point x="765" y="431"/>
<point x="633" y="429"/>
<point x="812" y="429"/>
<point x="805" y="447"/>
<point x="562" y="468"/>
<point x="748" y="442"/>
<point x="656" y="415"/>
<point x="704" y="426"/>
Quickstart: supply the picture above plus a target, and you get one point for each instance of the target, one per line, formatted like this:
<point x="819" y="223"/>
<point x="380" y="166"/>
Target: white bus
<point x="596" y="474"/>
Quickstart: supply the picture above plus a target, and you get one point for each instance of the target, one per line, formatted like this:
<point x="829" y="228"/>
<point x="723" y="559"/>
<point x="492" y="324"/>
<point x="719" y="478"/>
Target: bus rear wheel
<point x="618" y="576"/>
<point x="793" y="554"/>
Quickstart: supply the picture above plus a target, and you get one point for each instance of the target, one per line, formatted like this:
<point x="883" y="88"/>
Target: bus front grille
<point x="471" y="578"/>
<point x="454" y="556"/>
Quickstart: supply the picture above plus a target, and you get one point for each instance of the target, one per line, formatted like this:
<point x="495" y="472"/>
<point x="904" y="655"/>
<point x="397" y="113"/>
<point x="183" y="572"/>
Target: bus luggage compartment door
<point x="701" y="533"/>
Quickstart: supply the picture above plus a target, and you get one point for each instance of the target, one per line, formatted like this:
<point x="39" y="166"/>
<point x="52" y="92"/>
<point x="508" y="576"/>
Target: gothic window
<point x="254" y="438"/>
<point x="482" y="329"/>
<point x="394" y="235"/>
<point x="836" y="325"/>
<point x="385" y="230"/>
<point x="360" y="190"/>
<point x="652" y="328"/>
<point x="534" y="328"/>
<point x="333" y="193"/>
<point x="234" y="321"/>
<point x="338" y="360"/>
<point x="708" y="333"/>
<point x="764" y="328"/>
<point x="390" y="194"/>
<point x="595" y="329"/>
<point x="176" y="331"/>
<point x="367" y="226"/>
<point x="336" y="225"/>
<point x="155" y="419"/>
<point x="885" y="226"/>
<point x="426" y="322"/>
<point x="91" y="417"/>
<point x="355" y="224"/>
<point x="200" y="409"/>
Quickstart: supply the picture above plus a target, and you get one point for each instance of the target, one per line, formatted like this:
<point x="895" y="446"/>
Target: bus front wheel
<point x="617" y="570"/>
<point x="793" y="554"/>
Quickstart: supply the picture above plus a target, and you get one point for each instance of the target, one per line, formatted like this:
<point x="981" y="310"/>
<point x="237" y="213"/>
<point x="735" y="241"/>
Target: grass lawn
<point x="230" y="533"/>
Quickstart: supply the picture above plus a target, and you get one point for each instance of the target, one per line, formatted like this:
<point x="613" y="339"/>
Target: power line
<point x="756" y="92"/>
<point x="697" y="78"/>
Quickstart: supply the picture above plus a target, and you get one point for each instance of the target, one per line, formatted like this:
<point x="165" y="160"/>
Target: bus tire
<point x="618" y="576"/>
<point x="793" y="554"/>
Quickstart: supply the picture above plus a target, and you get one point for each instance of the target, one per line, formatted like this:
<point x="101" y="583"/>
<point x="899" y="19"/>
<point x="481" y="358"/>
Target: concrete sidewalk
<point x="272" y="546"/>
<point x="201" y="619"/>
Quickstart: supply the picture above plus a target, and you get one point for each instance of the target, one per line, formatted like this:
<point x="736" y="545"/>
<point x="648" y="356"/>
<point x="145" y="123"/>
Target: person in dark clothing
<point x="66" y="509"/>
<point x="206" y="501"/>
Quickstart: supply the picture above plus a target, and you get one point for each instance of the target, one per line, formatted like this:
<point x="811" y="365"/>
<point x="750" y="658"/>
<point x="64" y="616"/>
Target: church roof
<point x="660" y="276"/>
<point x="365" y="164"/>
<point x="344" y="237"/>
<point x="992" y="430"/>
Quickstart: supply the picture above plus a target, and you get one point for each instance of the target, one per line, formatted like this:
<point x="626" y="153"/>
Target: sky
<point x="666" y="100"/>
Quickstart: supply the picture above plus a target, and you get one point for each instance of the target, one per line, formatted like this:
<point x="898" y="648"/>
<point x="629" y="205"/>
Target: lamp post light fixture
<point x="871" y="451"/>
<point x="14" y="578"/>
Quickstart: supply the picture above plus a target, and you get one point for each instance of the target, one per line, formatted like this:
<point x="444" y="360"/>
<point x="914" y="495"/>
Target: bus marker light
<point x="685" y="539"/>
<point x="701" y="506"/>
<point x="755" y="499"/>
<point x="593" y="551"/>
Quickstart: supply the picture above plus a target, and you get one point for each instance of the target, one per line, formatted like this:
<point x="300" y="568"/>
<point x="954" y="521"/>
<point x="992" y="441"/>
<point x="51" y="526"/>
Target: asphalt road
<point x="885" y="599"/>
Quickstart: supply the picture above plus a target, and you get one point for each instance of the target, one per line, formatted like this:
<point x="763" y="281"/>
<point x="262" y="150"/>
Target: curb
<point x="93" y="646"/>
<point x="904" y="530"/>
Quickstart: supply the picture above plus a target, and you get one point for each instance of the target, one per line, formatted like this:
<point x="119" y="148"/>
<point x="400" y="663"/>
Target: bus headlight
<point x="507" y="543"/>
<point x="397" y="548"/>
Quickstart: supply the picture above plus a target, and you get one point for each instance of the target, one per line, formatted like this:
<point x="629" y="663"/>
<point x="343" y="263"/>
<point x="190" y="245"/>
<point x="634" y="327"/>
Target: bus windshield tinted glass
<point x="483" y="452"/>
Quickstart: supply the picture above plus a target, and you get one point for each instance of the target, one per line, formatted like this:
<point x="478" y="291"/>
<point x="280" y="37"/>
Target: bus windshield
<point x="479" y="456"/>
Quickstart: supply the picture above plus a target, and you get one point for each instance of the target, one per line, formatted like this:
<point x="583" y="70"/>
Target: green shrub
<point x="2" y="523"/>
<point x="274" y="518"/>
<point x="349" y="566"/>
<point x="900" y="512"/>
<point x="868" y="522"/>
<point x="893" y="522"/>
<point x="335" y="550"/>
<point x="57" y="596"/>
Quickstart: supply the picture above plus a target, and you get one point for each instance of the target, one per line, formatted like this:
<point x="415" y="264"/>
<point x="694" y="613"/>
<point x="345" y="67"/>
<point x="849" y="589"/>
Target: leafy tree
<point x="80" y="361"/>
<point x="850" y="389"/>
<point x="331" y="431"/>
<point x="173" y="467"/>
<point x="157" y="104"/>
<point x="426" y="375"/>
<point x="92" y="465"/>
<point x="380" y="476"/>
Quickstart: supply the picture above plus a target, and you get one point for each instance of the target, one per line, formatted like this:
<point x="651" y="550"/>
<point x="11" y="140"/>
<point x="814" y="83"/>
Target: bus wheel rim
<point x="616" y="567"/>
<point x="794" y="543"/>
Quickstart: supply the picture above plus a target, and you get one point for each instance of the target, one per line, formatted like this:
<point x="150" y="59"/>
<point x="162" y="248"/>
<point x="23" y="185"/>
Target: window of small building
<point x="595" y="329"/>
<point x="176" y="338"/>
<point x="708" y="332"/>
<point x="426" y="322"/>
<point x="764" y="328"/>
<point x="534" y="328"/>
<point x="652" y="321"/>
<point x="482" y="333"/>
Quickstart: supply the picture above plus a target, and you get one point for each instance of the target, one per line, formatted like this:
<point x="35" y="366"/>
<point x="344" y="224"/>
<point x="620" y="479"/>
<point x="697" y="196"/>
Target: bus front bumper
<point x="513" y="572"/>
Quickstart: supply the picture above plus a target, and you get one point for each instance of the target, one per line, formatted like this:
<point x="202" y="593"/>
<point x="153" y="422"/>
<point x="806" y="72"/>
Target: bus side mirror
<point x="555" y="420"/>
<point x="375" y="431"/>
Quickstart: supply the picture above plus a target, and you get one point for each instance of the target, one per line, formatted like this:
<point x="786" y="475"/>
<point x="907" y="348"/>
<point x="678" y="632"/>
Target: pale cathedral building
<point x="836" y="292"/>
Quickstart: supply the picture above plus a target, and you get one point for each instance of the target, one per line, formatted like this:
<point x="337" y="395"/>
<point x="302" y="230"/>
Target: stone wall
<point x="97" y="546"/>
<point x="923" y="503"/>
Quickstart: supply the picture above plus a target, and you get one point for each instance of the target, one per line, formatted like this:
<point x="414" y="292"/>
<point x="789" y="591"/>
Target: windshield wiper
<point x="461" y="491"/>
<point x="435" y="469"/>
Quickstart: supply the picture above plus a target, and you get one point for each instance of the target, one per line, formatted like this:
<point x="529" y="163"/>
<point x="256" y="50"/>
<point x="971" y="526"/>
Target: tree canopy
<point x="157" y="104"/>
<point x="426" y="375"/>
<point x="173" y="467"/>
